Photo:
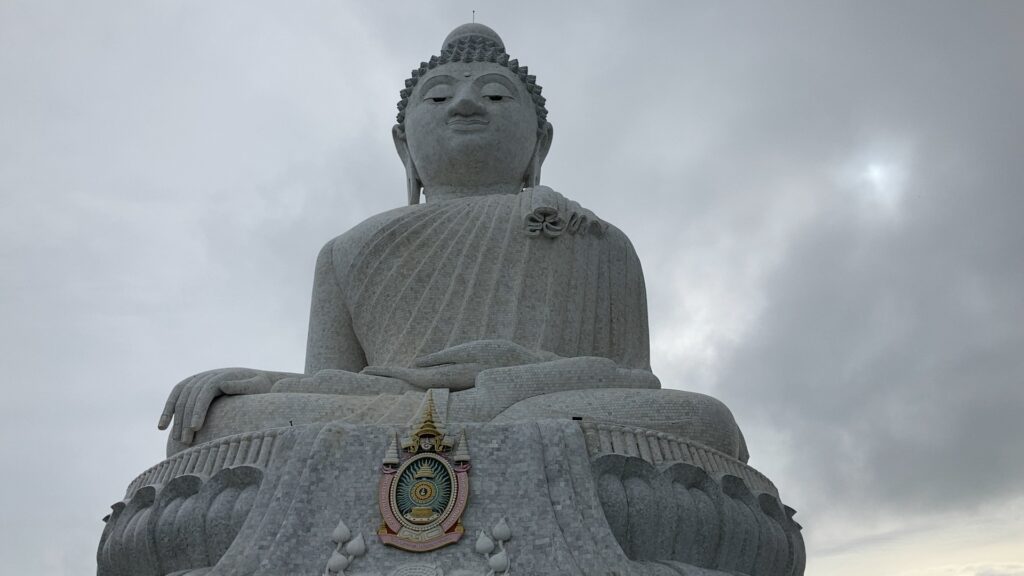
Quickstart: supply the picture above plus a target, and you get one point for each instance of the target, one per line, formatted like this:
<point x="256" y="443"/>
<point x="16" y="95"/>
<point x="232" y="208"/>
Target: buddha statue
<point x="497" y="288"/>
<point x="499" y="307"/>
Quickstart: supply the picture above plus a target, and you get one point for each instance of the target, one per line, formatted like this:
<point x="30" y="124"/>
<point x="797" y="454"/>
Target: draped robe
<point x="443" y="273"/>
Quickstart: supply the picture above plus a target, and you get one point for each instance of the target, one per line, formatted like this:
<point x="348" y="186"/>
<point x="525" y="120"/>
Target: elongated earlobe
<point x="413" y="185"/>
<point x="412" y="179"/>
<point x="540" y="152"/>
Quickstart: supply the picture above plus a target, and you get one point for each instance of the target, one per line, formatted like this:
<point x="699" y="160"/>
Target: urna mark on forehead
<point x="469" y="44"/>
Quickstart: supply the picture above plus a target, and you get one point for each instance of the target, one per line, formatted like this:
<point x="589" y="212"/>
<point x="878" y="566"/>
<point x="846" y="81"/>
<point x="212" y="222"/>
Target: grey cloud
<point x="891" y="349"/>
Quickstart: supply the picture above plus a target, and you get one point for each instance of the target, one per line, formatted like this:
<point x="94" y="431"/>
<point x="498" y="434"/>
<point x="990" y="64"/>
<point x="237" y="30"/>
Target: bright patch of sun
<point x="883" y="185"/>
<point x="875" y="174"/>
<point x="877" y="178"/>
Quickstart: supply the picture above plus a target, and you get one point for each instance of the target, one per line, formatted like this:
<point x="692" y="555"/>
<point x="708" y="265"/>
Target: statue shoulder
<point x="623" y="245"/>
<point x="343" y="248"/>
<point x="576" y="218"/>
<point x="552" y="213"/>
<point x="615" y="234"/>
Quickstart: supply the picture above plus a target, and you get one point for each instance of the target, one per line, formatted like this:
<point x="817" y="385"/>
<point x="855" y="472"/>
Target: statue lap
<point x="690" y="415"/>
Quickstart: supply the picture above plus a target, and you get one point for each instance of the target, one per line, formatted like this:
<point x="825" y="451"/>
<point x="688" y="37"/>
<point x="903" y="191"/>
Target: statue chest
<point x="470" y="271"/>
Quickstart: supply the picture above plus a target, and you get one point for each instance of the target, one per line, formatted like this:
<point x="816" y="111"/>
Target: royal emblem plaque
<point x="424" y="487"/>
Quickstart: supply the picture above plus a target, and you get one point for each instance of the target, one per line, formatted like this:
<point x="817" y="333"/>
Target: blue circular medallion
<point x="423" y="491"/>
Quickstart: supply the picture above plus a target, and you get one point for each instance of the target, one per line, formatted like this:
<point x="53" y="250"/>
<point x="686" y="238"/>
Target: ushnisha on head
<point x="471" y="121"/>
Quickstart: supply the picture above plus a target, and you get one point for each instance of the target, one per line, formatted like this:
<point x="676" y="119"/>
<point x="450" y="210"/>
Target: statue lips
<point x="468" y="124"/>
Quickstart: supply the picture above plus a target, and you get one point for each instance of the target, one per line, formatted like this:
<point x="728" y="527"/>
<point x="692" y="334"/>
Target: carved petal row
<point x="657" y="447"/>
<point x="677" y="512"/>
<point x="249" y="449"/>
<point x="187" y="523"/>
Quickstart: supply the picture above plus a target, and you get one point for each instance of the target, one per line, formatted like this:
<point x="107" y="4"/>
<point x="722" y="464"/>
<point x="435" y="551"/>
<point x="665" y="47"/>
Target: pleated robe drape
<point x="455" y="271"/>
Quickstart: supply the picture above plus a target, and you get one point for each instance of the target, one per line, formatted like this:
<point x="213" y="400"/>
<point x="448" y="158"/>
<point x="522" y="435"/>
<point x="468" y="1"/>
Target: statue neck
<point x="439" y="193"/>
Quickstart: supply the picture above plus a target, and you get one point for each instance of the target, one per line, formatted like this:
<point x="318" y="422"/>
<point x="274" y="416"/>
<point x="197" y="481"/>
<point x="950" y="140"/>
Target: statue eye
<point x="439" y="93"/>
<point x="495" y="92"/>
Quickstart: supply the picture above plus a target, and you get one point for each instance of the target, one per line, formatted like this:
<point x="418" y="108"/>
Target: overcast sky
<point x="827" y="198"/>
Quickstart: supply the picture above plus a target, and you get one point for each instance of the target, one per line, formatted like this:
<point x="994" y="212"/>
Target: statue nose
<point x="466" y="104"/>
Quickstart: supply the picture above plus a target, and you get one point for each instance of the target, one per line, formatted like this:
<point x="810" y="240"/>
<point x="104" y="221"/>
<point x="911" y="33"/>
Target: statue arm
<point x="332" y="351"/>
<point x="334" y="356"/>
<point x="332" y="342"/>
<point x="635" y="332"/>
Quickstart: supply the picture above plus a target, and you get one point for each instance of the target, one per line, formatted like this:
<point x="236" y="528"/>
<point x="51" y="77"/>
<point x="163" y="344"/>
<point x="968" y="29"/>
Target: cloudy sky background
<point x="827" y="199"/>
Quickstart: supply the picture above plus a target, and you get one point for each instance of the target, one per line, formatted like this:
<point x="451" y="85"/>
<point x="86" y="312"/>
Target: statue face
<point x="470" y="124"/>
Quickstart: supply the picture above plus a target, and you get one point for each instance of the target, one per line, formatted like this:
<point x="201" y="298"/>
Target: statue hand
<point x="581" y="372"/>
<point x="453" y="376"/>
<point x="487" y="353"/>
<point x="457" y="367"/>
<point x="190" y="400"/>
<point x="331" y="381"/>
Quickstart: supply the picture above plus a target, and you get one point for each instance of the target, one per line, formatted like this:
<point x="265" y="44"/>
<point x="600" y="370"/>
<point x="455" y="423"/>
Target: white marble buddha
<point x="507" y="298"/>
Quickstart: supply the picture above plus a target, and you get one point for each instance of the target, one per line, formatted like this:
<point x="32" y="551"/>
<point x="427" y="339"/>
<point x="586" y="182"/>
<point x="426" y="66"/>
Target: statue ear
<point x="412" y="178"/>
<point x="540" y="152"/>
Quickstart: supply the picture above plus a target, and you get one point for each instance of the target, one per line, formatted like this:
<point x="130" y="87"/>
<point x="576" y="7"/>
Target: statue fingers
<point x="453" y="376"/>
<point x="187" y="436"/>
<point x="457" y="376"/>
<point x="188" y="406"/>
<point x="496" y="353"/>
<point x="186" y="413"/>
<point x="486" y="352"/>
<point x="390" y="372"/>
<point x="172" y="400"/>
<point x="510" y="353"/>
<point x="255" y="384"/>
<point x="461" y="353"/>
<point x="202" y="406"/>
<point x="180" y="416"/>
<point x="640" y="378"/>
<point x="294" y="384"/>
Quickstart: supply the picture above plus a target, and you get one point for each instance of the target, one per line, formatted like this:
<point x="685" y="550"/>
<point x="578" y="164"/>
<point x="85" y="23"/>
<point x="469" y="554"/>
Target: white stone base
<point x="578" y="497"/>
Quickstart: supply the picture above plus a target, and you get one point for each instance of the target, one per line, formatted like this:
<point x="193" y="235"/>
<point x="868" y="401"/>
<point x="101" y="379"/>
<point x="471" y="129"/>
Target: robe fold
<point x="454" y="271"/>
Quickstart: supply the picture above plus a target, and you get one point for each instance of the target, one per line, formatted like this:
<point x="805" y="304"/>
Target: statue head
<point x="471" y="120"/>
